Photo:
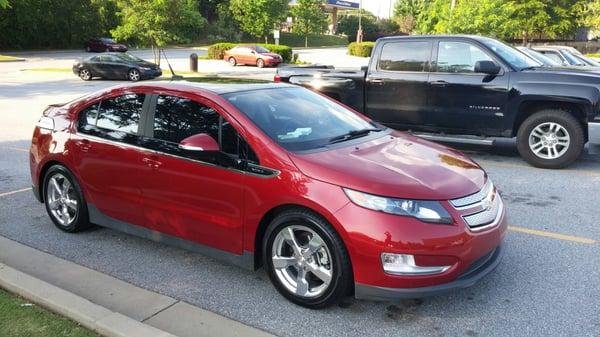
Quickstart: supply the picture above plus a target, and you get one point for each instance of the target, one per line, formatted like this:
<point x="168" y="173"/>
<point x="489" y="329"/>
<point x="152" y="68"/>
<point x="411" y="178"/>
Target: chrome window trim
<point x="274" y="174"/>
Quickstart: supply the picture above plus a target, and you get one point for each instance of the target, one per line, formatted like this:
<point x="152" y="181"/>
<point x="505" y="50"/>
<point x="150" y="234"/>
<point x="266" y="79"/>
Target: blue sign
<point x="343" y="4"/>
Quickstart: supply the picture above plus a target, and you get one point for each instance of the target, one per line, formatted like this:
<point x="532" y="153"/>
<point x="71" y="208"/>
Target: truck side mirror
<point x="487" y="67"/>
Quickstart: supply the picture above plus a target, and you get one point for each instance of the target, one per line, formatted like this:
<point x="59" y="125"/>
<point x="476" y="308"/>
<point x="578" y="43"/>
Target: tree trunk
<point x="306" y="41"/>
<point x="266" y="39"/>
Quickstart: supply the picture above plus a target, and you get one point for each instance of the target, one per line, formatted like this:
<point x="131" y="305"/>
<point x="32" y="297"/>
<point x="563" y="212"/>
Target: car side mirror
<point x="199" y="143"/>
<point x="487" y="67"/>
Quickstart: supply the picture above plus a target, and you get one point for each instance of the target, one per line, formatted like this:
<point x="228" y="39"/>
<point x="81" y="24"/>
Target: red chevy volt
<point x="331" y="203"/>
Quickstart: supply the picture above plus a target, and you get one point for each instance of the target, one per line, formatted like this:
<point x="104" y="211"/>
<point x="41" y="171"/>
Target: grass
<point x="18" y="318"/>
<point x="5" y="58"/>
<point x="593" y="55"/>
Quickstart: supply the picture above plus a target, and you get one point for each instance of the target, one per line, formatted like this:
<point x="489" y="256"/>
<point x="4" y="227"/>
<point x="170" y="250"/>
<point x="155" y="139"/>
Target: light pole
<point x="359" y="33"/>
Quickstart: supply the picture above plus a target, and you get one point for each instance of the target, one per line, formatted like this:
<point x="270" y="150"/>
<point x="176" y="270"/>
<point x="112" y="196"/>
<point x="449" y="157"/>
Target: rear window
<point x="405" y="56"/>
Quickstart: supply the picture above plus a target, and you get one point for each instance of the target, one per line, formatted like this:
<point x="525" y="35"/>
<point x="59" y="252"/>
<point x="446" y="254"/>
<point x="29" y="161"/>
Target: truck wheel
<point x="550" y="139"/>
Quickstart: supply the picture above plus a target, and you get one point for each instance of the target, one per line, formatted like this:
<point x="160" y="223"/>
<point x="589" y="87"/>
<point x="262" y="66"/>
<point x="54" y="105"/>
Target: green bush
<point x="362" y="49"/>
<point x="217" y="50"/>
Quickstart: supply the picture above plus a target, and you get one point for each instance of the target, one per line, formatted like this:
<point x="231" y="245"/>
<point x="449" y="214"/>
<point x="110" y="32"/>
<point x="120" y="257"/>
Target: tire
<point x="232" y="61"/>
<point x="57" y="203"/>
<point x="85" y="74"/>
<point x="260" y="63"/>
<point x="551" y="139"/>
<point x="133" y="75"/>
<point x="330" y="261"/>
<point x="107" y="50"/>
<point x="88" y="49"/>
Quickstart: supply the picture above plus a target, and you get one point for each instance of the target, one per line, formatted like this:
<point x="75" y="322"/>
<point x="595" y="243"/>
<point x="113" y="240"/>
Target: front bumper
<point x="594" y="132"/>
<point x="152" y="73"/>
<point x="476" y="272"/>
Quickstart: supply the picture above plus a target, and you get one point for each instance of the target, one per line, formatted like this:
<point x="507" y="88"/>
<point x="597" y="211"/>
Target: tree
<point x="258" y="17"/>
<point x="406" y="13"/>
<point x="158" y="22"/>
<point x="590" y="14"/>
<point x="348" y="24"/>
<point x="528" y="17"/>
<point x="309" y="18"/>
<point x="4" y="4"/>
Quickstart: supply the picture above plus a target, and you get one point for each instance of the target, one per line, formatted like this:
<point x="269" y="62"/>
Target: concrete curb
<point x="88" y="314"/>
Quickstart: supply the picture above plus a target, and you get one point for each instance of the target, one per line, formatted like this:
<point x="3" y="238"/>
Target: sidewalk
<point x="103" y="303"/>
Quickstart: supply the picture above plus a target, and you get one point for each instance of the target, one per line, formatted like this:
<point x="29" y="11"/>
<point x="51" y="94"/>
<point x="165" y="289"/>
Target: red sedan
<point x="328" y="201"/>
<point x="252" y="55"/>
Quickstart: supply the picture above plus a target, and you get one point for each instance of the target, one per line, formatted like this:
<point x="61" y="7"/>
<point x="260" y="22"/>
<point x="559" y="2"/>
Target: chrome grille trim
<point x="487" y="218"/>
<point x="474" y="198"/>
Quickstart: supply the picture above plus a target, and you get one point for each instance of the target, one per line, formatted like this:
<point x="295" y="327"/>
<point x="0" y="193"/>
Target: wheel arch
<point x="530" y="107"/>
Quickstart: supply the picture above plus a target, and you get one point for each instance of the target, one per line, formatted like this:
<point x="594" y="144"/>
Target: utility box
<point x="194" y="62"/>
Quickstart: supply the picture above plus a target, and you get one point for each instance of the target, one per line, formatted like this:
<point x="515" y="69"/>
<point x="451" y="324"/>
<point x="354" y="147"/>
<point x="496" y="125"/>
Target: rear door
<point x="107" y="157"/>
<point x="461" y="100"/>
<point x="396" y="86"/>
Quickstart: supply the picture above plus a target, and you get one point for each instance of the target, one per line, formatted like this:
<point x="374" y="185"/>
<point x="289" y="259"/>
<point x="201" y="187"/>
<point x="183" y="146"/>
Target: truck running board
<point x="455" y="138"/>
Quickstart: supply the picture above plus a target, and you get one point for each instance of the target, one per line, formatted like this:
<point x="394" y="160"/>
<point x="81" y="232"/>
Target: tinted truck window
<point x="459" y="57"/>
<point x="405" y="56"/>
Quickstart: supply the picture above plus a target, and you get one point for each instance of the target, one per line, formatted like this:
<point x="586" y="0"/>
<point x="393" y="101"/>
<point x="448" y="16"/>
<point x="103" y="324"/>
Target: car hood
<point x="572" y="70"/>
<point x="397" y="165"/>
<point x="271" y="55"/>
<point x="147" y="64"/>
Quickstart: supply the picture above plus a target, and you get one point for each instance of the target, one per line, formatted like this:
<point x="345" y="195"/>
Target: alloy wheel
<point x="61" y="199"/>
<point x="85" y="74"/>
<point x="134" y="75"/>
<point x="232" y="61"/>
<point x="260" y="63"/>
<point x="302" y="261"/>
<point x="549" y="140"/>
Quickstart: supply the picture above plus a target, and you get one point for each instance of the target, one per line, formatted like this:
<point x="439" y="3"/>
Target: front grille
<point x="483" y="209"/>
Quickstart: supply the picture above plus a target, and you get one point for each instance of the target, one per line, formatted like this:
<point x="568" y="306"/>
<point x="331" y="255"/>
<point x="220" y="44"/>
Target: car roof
<point x="421" y="37"/>
<point x="216" y="88"/>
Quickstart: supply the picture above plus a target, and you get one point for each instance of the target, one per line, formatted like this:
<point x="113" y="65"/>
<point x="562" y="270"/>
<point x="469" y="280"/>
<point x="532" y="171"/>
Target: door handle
<point x="84" y="144"/>
<point x="378" y="81"/>
<point x="152" y="163"/>
<point x="439" y="83"/>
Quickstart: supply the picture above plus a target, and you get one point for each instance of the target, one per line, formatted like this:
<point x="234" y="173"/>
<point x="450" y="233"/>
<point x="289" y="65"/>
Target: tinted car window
<point x="88" y="116"/>
<point x="177" y="118"/>
<point x="405" y="56"/>
<point x="459" y="57"/>
<point x="121" y="113"/>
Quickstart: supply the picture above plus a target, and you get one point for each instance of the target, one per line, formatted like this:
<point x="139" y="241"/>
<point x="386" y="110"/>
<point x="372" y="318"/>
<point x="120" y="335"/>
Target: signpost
<point x="276" y="36"/>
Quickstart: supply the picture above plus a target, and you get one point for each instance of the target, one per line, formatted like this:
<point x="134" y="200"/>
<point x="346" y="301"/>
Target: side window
<point x="459" y="57"/>
<point x="552" y="55"/>
<point x="88" y="117"/>
<point x="177" y="118"/>
<point x="405" y="56"/>
<point x="121" y="113"/>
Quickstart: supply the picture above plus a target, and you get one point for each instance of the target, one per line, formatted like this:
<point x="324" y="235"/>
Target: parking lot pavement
<point x="547" y="284"/>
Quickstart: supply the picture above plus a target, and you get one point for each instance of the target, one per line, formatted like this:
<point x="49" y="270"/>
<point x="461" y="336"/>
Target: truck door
<point x="461" y="100"/>
<point x="396" y="83"/>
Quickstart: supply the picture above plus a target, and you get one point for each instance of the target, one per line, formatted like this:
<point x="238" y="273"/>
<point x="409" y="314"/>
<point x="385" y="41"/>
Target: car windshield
<point x="511" y="55"/>
<point x="260" y="49"/>
<point x="129" y="57"/>
<point x="572" y="58"/>
<point x="539" y="57"/>
<point x="588" y="60"/>
<point x="106" y="40"/>
<point x="297" y="118"/>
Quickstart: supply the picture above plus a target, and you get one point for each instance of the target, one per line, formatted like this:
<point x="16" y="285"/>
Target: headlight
<point x="424" y="210"/>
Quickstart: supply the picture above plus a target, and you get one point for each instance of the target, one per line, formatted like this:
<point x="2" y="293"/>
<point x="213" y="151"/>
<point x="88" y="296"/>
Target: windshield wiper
<point x="352" y="134"/>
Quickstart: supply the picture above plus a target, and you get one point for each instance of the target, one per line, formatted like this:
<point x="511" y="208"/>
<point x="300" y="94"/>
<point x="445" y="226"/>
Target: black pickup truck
<point x="470" y="89"/>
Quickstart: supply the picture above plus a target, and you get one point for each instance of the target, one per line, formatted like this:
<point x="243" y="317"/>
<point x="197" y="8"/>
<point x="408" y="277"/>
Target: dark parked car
<point x="474" y="87"/>
<point x="118" y="66"/>
<point x="276" y="175"/>
<point x="104" y="44"/>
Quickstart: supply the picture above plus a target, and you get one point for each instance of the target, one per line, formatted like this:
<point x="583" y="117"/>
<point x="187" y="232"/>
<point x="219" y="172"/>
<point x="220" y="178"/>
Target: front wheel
<point x="85" y="74"/>
<point x="260" y="63"/>
<point x="550" y="139"/>
<point x="232" y="61"/>
<point x="306" y="259"/>
<point x="133" y="75"/>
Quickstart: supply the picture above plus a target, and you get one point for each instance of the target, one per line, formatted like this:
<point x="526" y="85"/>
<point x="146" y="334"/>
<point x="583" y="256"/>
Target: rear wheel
<point x="133" y="75"/>
<point x="85" y="74"/>
<point x="232" y="61"/>
<point x="306" y="259"/>
<point x="550" y="139"/>
<point x="107" y="50"/>
<point x="88" y="49"/>
<point x="260" y="63"/>
<point x="64" y="200"/>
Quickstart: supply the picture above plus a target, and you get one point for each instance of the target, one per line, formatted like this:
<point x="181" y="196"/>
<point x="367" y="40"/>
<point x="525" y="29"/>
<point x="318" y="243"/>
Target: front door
<point x="461" y="100"/>
<point x="396" y="87"/>
<point x="194" y="196"/>
<point x="107" y="158"/>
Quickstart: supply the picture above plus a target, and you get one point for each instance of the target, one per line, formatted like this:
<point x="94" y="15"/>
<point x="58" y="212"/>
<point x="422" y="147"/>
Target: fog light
<point x="404" y="264"/>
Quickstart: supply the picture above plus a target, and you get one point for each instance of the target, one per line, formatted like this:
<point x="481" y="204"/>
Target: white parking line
<point x="15" y="192"/>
